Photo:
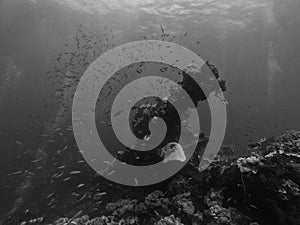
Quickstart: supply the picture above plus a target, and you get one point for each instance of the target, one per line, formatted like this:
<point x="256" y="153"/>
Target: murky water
<point x="254" y="44"/>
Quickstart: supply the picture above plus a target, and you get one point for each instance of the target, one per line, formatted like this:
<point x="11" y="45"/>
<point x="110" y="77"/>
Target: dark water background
<point x="255" y="45"/>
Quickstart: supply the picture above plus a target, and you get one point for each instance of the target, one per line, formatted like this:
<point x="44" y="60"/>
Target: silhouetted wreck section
<point x="194" y="90"/>
<point x="260" y="188"/>
<point x="142" y="113"/>
<point x="216" y="73"/>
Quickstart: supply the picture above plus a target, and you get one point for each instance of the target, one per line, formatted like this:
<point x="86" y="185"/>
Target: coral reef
<point x="260" y="188"/>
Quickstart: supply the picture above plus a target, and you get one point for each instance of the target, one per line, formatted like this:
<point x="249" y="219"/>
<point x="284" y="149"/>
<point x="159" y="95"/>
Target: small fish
<point x="51" y="194"/>
<point x="61" y="167"/>
<point x="80" y="185"/>
<point x="75" y="194"/>
<point x="57" y="175"/>
<point x="33" y="221"/>
<point x="110" y="173"/>
<point x="162" y="29"/>
<point x="36" y="160"/>
<point x="75" y="172"/>
<point x="101" y="194"/>
<point x="67" y="178"/>
<point x="83" y="197"/>
<point x="253" y="206"/>
<point x="15" y="173"/>
<point x="75" y="216"/>
<point x="19" y="143"/>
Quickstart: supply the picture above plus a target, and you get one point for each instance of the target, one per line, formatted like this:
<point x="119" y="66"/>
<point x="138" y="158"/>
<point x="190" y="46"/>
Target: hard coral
<point x="219" y="214"/>
<point x="213" y="198"/>
<point x="248" y="164"/>
<point x="184" y="203"/>
<point x="121" y="207"/>
<point x="157" y="201"/>
<point x="169" y="220"/>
